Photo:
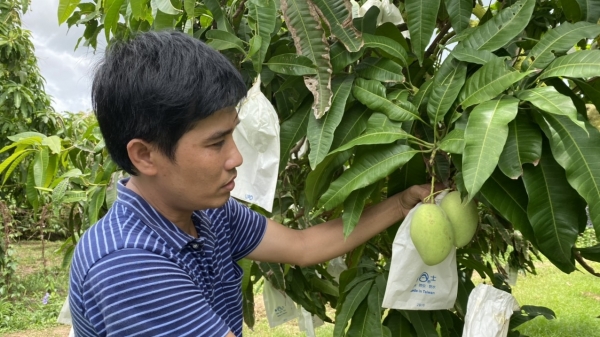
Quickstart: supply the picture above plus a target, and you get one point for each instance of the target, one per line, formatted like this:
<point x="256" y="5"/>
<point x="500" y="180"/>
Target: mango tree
<point x="490" y="101"/>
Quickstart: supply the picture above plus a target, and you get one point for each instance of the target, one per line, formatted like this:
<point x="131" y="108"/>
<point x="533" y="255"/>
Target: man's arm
<point x="326" y="241"/>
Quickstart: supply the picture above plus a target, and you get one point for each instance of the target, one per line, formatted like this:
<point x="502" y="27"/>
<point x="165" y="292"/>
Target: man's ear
<point x="142" y="155"/>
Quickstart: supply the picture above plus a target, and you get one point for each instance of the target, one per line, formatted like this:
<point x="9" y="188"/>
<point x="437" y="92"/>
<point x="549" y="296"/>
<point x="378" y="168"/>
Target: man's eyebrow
<point x="222" y="133"/>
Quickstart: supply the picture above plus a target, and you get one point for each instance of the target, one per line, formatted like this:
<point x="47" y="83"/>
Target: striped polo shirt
<point x="134" y="273"/>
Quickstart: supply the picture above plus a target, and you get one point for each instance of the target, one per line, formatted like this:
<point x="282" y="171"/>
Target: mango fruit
<point x="431" y="233"/>
<point x="463" y="217"/>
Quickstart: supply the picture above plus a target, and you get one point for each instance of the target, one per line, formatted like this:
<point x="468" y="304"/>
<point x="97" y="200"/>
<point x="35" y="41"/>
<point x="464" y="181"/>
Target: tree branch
<point x="240" y="10"/>
<point x="437" y="40"/>
<point x="584" y="264"/>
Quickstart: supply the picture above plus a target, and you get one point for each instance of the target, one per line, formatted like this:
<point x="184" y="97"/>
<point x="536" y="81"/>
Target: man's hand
<point x="411" y="196"/>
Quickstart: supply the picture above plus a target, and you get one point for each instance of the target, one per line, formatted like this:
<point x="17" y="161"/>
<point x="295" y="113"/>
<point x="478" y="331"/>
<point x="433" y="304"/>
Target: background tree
<point x="491" y="101"/>
<point x="24" y="106"/>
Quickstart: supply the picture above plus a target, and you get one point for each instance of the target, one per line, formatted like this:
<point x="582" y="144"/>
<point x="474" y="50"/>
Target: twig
<point x="437" y="40"/>
<point x="240" y="9"/>
<point x="584" y="264"/>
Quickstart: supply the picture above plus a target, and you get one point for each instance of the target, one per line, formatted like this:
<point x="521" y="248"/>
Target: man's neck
<point x="181" y="219"/>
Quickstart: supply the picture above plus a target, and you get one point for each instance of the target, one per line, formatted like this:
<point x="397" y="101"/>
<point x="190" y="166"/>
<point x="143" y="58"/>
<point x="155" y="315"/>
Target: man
<point x="162" y="261"/>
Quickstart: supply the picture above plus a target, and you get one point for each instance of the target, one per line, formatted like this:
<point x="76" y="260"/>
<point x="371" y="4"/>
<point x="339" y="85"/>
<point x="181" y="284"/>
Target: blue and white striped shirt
<point x="135" y="273"/>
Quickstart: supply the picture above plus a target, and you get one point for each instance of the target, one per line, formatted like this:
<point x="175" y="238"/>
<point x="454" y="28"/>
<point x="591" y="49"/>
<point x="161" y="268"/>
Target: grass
<point x="25" y="309"/>
<point x="574" y="297"/>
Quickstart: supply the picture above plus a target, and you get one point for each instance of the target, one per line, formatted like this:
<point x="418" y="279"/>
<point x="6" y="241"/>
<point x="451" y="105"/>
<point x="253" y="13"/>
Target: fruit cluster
<point x="436" y="230"/>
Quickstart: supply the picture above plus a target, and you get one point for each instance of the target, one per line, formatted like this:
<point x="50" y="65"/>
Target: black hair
<point x="156" y="87"/>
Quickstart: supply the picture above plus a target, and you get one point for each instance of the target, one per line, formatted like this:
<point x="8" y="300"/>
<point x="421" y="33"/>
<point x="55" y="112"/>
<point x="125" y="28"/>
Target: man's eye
<point x="219" y="144"/>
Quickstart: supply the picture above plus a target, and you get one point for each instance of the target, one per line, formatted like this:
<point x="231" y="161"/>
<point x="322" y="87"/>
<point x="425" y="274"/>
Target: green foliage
<point x="494" y="107"/>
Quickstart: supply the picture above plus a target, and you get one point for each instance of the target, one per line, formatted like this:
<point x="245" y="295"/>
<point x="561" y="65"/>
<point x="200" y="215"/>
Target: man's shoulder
<point x="118" y="229"/>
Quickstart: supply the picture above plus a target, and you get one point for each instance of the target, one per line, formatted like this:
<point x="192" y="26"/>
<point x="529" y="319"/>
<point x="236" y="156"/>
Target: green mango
<point x="431" y="233"/>
<point x="463" y="217"/>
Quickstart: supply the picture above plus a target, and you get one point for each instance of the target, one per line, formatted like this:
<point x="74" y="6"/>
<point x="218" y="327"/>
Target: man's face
<point x="202" y="174"/>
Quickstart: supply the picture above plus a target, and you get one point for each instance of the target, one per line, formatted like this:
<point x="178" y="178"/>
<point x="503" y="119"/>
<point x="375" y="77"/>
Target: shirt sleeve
<point x="133" y="292"/>
<point x="247" y="229"/>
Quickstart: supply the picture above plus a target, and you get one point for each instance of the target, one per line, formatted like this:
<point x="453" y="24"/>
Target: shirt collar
<point x="173" y="235"/>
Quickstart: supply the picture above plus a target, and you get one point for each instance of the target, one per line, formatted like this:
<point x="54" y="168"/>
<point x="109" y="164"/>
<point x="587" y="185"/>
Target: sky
<point x="67" y="71"/>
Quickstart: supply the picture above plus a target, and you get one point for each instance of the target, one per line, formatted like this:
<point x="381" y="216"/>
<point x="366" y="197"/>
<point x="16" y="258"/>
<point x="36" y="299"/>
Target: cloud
<point x="67" y="71"/>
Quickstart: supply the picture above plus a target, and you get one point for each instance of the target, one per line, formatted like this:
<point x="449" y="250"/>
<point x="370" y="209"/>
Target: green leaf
<point x="397" y="323"/>
<point x="40" y="164"/>
<point x="164" y="6"/>
<point x="214" y="6"/>
<point x="420" y="18"/>
<point x="53" y="143"/>
<point x="95" y="203"/>
<point x="352" y="301"/>
<point x="578" y="154"/>
<point x="59" y="191"/>
<point x="591" y="253"/>
<point x="559" y="40"/>
<point x="262" y="19"/>
<point x="221" y="40"/>
<point x="30" y="191"/>
<point x="386" y="45"/>
<point x="376" y="134"/>
<point x="72" y="173"/>
<point x="6" y="163"/>
<point x="248" y="306"/>
<point x="590" y="89"/>
<point x="340" y="57"/>
<point x="384" y="70"/>
<point x="460" y="13"/>
<point x="273" y="273"/>
<point x="352" y="125"/>
<point x="320" y="132"/>
<point x="372" y="94"/>
<point x="445" y="88"/>
<point x="502" y="28"/>
<point x="523" y="146"/>
<point x="255" y="44"/>
<point x="585" y="63"/>
<point x="450" y="324"/>
<point x="74" y="196"/>
<point x="292" y="64"/>
<point x="51" y="170"/>
<point x="338" y="16"/>
<point x="368" y="23"/>
<point x="309" y="38"/>
<point x="551" y="101"/>
<point x="422" y="96"/>
<point x="590" y="10"/>
<point x="485" y="136"/>
<point x="112" y="16"/>
<point x="65" y="9"/>
<point x="422" y="322"/>
<point x="353" y="208"/>
<point x="14" y="165"/>
<point x="454" y="142"/>
<point x="527" y="313"/>
<point x="374" y="301"/>
<point x="553" y="205"/>
<point x="28" y="137"/>
<point x="111" y="189"/>
<point x="488" y="82"/>
<point x="291" y="131"/>
<point x="473" y="56"/>
<point x="318" y="179"/>
<point x="365" y="170"/>
<point x="359" y="324"/>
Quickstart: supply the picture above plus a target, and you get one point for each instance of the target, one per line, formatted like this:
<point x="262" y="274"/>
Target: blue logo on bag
<point x="424" y="277"/>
